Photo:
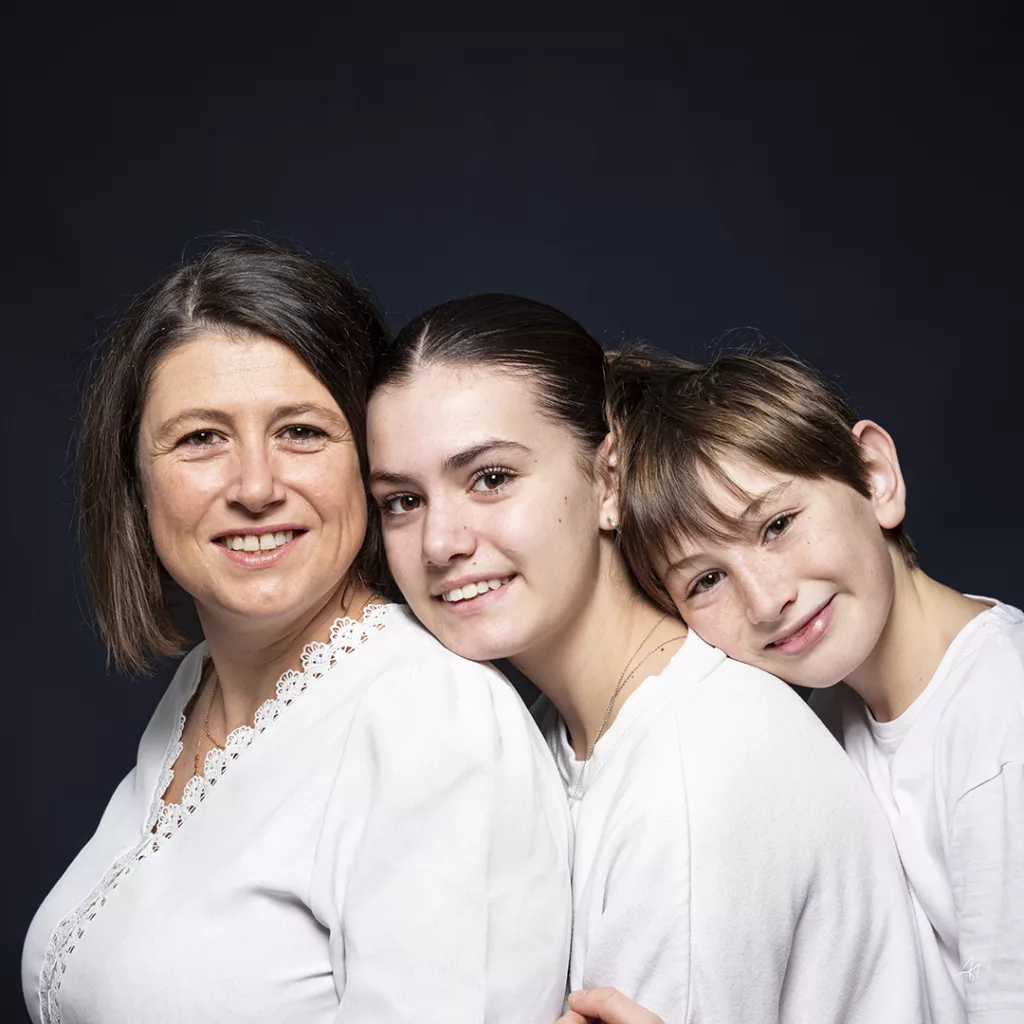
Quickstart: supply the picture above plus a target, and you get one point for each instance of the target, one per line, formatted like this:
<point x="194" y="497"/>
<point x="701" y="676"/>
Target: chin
<point x="473" y="642"/>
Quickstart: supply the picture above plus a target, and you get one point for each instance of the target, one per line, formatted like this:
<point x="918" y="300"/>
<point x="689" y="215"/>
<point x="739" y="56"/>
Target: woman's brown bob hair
<point x="244" y="286"/>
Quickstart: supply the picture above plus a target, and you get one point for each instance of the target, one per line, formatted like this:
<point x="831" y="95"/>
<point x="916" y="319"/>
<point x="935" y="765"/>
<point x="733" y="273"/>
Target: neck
<point x="579" y="666"/>
<point x="250" y="655"/>
<point x="923" y="621"/>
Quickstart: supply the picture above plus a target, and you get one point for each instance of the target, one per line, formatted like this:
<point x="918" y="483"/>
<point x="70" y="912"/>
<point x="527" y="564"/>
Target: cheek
<point x="175" y="503"/>
<point x="719" y="626"/>
<point x="856" y="557"/>
<point x="402" y="548"/>
<point x="336" y="492"/>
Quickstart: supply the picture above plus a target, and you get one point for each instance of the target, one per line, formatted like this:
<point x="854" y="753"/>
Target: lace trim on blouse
<point x="164" y="820"/>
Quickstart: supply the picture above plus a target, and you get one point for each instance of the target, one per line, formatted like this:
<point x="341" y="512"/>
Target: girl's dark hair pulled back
<point x="564" y="365"/>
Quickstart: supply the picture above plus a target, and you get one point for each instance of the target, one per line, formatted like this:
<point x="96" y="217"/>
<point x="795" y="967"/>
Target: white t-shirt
<point x="949" y="774"/>
<point x="390" y="843"/>
<point x="730" y="867"/>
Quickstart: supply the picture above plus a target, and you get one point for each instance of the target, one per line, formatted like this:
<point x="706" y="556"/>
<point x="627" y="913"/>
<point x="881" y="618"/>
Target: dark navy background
<point x="852" y="189"/>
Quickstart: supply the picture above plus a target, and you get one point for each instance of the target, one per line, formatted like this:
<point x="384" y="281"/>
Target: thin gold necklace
<point x="206" y="723"/>
<point x="627" y="672"/>
<point x="371" y="596"/>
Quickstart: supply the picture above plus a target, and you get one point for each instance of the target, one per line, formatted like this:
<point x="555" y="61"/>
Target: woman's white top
<point x="389" y="843"/>
<point x="730" y="866"/>
<point x="949" y="774"/>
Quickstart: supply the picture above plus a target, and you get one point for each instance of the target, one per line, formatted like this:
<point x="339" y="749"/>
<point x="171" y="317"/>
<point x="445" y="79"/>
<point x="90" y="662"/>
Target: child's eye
<point x="399" y="504"/>
<point x="778" y="526"/>
<point x="491" y="480"/>
<point x="705" y="582"/>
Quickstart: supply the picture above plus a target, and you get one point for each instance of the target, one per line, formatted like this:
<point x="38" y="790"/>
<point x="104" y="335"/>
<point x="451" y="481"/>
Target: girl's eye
<point x="200" y="438"/>
<point x="300" y="432"/>
<point x="779" y="525"/>
<point x="400" y="504"/>
<point x="702" y="584"/>
<point x="492" y="480"/>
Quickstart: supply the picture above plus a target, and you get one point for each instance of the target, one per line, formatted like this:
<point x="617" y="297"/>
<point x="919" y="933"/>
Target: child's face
<point x="805" y="592"/>
<point x="492" y="528"/>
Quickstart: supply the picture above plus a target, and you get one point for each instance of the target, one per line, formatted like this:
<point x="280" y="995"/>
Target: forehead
<point x="735" y="483"/>
<point x="442" y="409"/>
<point x="734" y="497"/>
<point x="217" y="369"/>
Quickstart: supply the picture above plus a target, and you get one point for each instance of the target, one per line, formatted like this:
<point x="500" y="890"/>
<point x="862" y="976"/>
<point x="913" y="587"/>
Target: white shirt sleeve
<point x="443" y="869"/>
<point x="986" y="857"/>
<point x="798" y="898"/>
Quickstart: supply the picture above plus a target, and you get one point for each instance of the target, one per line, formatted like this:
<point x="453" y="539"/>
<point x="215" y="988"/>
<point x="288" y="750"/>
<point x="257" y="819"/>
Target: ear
<point x="606" y="475"/>
<point x="888" y="491"/>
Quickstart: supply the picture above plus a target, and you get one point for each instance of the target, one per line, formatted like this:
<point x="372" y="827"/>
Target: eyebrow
<point x="218" y="416"/>
<point x="457" y="461"/>
<point x="758" y="502"/>
<point x="753" y="510"/>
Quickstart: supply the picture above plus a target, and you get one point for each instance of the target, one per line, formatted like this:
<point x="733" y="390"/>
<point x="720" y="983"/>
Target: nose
<point x="447" y="535"/>
<point x="767" y="595"/>
<point x="256" y="486"/>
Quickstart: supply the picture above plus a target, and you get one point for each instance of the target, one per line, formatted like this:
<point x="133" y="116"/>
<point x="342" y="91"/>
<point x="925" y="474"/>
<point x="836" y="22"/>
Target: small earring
<point x="612" y="525"/>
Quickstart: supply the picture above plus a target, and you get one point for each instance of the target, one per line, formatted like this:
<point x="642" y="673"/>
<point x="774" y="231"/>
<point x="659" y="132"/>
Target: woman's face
<point x="251" y="479"/>
<point x="492" y="528"/>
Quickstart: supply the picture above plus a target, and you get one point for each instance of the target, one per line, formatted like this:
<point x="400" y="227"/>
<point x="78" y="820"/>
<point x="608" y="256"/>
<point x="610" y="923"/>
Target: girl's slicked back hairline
<point x="518" y="335"/>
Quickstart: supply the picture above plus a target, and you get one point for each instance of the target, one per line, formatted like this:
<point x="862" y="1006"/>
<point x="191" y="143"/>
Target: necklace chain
<point x="206" y="723"/>
<point x="624" y="677"/>
<point x="370" y="598"/>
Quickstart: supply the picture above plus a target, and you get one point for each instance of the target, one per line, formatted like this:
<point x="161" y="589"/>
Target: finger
<point x="611" y="1006"/>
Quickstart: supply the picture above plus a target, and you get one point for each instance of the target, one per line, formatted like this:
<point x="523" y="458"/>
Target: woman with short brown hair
<point x="331" y="816"/>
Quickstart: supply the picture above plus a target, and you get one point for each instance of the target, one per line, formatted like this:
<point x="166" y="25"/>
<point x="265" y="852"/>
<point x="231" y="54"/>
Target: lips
<point x="806" y="634"/>
<point x="257" y="548"/>
<point x="468" y="592"/>
<point x="473" y="589"/>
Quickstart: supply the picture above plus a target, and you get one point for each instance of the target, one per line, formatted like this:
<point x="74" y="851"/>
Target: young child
<point x="755" y="503"/>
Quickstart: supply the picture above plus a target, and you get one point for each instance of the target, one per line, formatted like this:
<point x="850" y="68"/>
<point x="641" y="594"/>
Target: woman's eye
<point x="702" y="584"/>
<point x="778" y="526"/>
<point x="299" y="432"/>
<point x="491" y="480"/>
<point x="200" y="438"/>
<point x="400" y="504"/>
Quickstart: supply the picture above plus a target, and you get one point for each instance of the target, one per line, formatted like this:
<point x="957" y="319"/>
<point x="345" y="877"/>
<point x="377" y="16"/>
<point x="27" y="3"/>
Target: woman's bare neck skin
<point x="923" y="621"/>
<point x="579" y="668"/>
<point x="250" y="656"/>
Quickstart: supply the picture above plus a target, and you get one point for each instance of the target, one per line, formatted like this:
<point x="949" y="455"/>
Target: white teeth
<point x="473" y="589"/>
<point x="260" y="542"/>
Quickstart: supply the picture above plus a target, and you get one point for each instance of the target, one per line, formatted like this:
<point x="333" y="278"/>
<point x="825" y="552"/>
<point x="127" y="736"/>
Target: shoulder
<point x="981" y="727"/>
<point x="748" y="704"/>
<point x="417" y="683"/>
<point x="166" y="718"/>
<point x="749" y="739"/>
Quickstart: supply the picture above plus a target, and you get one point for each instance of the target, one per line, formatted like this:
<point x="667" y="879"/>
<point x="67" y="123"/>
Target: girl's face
<point x="491" y="525"/>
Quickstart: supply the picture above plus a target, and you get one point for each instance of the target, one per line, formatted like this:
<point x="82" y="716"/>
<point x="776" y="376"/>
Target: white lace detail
<point x="164" y="820"/>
